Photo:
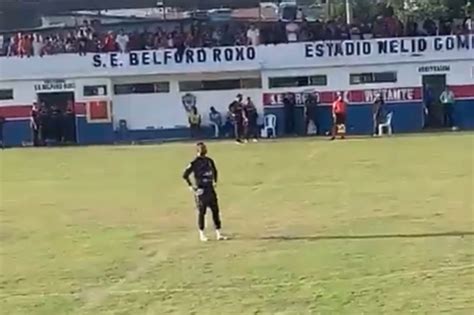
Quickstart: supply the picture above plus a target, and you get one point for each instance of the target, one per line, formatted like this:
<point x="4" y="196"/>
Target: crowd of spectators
<point x="87" y="38"/>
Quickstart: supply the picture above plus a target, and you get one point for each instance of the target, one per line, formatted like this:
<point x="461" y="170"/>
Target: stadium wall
<point x="161" y="115"/>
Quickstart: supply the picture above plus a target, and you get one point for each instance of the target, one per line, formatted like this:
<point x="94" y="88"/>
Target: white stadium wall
<point x="165" y="110"/>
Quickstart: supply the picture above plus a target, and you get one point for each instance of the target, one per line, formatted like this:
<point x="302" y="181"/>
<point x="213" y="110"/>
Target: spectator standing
<point x="468" y="25"/>
<point x="238" y="117"/>
<point x="28" y="45"/>
<point x="339" y="117"/>
<point x="110" y="44"/>
<point x="253" y="35"/>
<point x="69" y="123"/>
<point x="70" y="43"/>
<point x="289" y="108"/>
<point x="2" y="123"/>
<point x="2" y="45"/>
<point x="194" y="119"/>
<point x="378" y="112"/>
<point x="429" y="27"/>
<point x="21" y="47"/>
<point x="428" y="101"/>
<point x="216" y="120"/>
<point x="35" y="125"/>
<point x="122" y="41"/>
<point x="292" y="30"/>
<point x="311" y="113"/>
<point x="447" y="99"/>
<point x="251" y="126"/>
<point x="83" y="42"/>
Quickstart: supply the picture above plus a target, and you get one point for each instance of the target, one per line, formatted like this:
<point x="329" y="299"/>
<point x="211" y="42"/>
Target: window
<point x="142" y="88"/>
<point x="216" y="85"/>
<point x="373" y="77"/>
<point x="284" y="82"/>
<point x="6" y="94"/>
<point x="95" y="90"/>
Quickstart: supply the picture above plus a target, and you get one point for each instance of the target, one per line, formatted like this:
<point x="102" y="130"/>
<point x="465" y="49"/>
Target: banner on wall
<point x="390" y="95"/>
<point x="99" y="111"/>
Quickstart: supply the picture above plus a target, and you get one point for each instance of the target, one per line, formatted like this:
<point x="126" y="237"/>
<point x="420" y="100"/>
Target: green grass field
<point x="364" y="226"/>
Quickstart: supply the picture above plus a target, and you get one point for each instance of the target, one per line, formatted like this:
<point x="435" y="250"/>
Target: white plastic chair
<point x="216" y="129"/>
<point x="387" y="124"/>
<point x="269" y="124"/>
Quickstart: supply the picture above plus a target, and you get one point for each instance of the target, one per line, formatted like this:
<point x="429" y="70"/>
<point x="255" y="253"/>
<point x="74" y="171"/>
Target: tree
<point x="366" y="10"/>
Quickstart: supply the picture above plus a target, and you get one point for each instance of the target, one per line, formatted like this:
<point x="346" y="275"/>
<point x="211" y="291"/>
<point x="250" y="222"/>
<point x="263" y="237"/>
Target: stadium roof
<point x="49" y="6"/>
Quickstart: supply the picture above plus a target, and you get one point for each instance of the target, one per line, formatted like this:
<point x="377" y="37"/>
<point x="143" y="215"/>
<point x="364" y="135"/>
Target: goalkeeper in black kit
<point x="205" y="177"/>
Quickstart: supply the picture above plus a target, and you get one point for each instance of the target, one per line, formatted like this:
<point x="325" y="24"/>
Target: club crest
<point x="188" y="100"/>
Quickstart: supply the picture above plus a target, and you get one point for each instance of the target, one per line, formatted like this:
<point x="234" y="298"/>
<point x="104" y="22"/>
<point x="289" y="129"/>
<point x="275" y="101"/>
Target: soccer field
<point x="363" y="226"/>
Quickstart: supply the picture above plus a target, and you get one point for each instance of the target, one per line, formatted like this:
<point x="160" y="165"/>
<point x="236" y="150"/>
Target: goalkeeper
<point x="205" y="177"/>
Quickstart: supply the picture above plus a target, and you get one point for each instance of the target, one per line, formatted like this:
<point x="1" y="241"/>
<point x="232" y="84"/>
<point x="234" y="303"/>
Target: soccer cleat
<point x="220" y="237"/>
<point x="203" y="237"/>
<point x="255" y="140"/>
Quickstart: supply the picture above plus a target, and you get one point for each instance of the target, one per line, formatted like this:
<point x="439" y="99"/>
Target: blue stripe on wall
<point x="408" y="117"/>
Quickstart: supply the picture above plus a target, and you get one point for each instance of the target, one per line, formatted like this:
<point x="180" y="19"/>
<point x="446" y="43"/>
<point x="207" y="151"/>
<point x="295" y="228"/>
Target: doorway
<point x="58" y="117"/>
<point x="433" y="87"/>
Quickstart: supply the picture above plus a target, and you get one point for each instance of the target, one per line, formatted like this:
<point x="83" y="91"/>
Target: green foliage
<point x="366" y="10"/>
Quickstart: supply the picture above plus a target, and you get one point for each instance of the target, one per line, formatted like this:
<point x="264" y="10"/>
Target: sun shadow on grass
<point x="364" y="237"/>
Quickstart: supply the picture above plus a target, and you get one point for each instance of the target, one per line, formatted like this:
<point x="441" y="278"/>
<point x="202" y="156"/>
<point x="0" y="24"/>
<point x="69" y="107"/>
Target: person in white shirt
<point x="468" y="24"/>
<point x="37" y="45"/>
<point x="122" y="40"/>
<point x="253" y="35"/>
<point x="292" y="30"/>
<point x="2" y="42"/>
<point x="447" y="99"/>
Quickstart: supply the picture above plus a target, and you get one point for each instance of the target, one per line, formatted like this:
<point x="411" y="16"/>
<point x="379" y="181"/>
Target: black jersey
<point x="204" y="170"/>
<point x="236" y="110"/>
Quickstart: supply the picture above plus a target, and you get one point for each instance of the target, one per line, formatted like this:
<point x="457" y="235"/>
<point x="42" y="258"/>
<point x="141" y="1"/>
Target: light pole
<point x="348" y="12"/>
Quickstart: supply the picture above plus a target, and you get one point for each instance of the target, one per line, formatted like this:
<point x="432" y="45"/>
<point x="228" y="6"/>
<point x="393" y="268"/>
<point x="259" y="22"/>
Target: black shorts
<point x="207" y="199"/>
<point x="340" y="119"/>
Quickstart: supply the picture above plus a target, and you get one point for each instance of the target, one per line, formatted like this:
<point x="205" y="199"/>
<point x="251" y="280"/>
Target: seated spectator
<point x="228" y="128"/>
<point x="215" y="117"/>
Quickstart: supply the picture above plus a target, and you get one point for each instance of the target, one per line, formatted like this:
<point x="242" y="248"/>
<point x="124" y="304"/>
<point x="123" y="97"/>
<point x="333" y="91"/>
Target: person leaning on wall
<point x="2" y="123"/>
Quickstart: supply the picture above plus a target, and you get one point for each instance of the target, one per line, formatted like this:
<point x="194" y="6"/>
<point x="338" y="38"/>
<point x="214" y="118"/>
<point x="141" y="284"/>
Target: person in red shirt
<point x="339" y="117"/>
<point x="109" y="43"/>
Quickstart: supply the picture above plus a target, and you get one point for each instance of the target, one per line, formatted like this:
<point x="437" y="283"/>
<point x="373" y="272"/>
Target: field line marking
<point x="113" y="290"/>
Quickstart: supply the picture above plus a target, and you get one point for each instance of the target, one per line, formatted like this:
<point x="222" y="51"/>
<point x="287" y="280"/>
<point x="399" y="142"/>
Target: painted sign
<point x="175" y="57"/>
<point x="389" y="46"/>
<point x="437" y="68"/>
<point x="54" y="85"/>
